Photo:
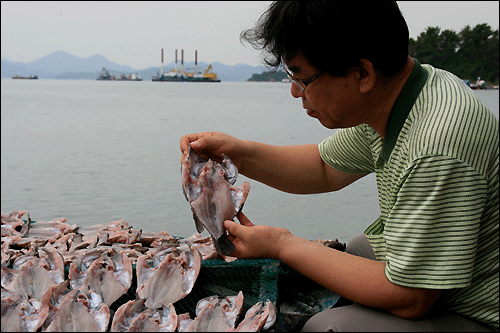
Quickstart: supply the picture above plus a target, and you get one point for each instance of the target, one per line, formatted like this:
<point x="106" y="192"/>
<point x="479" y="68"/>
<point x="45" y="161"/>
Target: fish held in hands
<point x="208" y="187"/>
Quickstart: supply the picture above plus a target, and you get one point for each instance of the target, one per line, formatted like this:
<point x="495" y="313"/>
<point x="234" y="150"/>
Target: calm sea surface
<point x="95" y="152"/>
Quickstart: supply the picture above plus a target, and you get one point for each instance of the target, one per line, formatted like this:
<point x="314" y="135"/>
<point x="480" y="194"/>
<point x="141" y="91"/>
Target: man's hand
<point x="255" y="241"/>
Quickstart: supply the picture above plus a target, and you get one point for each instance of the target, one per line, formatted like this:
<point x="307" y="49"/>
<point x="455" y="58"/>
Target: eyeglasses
<point x="302" y="84"/>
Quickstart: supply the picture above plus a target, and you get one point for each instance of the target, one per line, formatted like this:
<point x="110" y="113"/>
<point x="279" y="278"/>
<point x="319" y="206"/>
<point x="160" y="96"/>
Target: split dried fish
<point x="80" y="311"/>
<point x="208" y="187"/>
<point x="134" y="316"/>
<point x="108" y="273"/>
<point x="22" y="314"/>
<point x="260" y="316"/>
<point x="32" y="276"/>
<point x="216" y="315"/>
<point x="172" y="276"/>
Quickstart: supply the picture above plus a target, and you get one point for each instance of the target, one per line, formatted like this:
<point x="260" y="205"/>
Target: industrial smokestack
<point x="161" y="62"/>
<point x="182" y="61"/>
<point x="175" y="62"/>
<point x="195" y="62"/>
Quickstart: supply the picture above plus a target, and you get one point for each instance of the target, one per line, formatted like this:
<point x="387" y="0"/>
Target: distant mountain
<point x="63" y="65"/>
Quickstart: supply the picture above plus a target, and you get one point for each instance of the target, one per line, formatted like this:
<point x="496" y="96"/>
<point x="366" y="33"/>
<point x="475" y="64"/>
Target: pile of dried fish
<point x="73" y="242"/>
<point x="37" y="295"/>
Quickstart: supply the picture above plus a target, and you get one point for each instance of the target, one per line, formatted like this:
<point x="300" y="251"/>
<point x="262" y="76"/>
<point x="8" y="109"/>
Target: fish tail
<point x="224" y="246"/>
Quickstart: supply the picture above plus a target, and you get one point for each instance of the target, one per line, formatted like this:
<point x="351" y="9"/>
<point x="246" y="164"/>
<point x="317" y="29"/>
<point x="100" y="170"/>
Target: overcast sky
<point x="133" y="33"/>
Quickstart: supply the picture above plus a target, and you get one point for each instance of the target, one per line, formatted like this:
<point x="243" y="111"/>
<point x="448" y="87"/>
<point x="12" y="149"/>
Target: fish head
<point x="230" y="169"/>
<point x="191" y="166"/>
<point x="212" y="171"/>
<point x="192" y="163"/>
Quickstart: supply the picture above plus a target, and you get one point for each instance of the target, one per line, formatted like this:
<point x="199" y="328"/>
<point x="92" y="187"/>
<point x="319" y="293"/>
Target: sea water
<point x="99" y="151"/>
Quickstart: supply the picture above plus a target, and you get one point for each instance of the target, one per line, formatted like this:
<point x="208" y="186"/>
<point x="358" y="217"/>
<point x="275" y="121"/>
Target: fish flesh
<point x="172" y="277"/>
<point x="206" y="247"/>
<point x="12" y="224"/>
<point x="32" y="276"/>
<point x="183" y="321"/>
<point x="106" y="272"/>
<point x="80" y="311"/>
<point x="259" y="316"/>
<point x="134" y="316"/>
<point x="208" y="187"/>
<point x="20" y="314"/>
<point x="125" y="314"/>
<point x="52" y="297"/>
<point x="216" y="315"/>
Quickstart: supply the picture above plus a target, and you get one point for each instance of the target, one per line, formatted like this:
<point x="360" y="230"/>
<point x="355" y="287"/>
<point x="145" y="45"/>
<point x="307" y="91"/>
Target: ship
<point x="182" y="76"/>
<point x="31" y="77"/>
<point x="106" y="76"/>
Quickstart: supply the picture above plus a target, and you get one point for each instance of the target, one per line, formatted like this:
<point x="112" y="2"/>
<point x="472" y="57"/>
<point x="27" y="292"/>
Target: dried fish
<point x="13" y="225"/>
<point x="80" y="311"/>
<point x="32" y="276"/>
<point x="171" y="279"/>
<point x="22" y="314"/>
<point x="216" y="315"/>
<point x="109" y="274"/>
<point x="183" y="321"/>
<point x="207" y="186"/>
<point x="260" y="316"/>
<point x="125" y="314"/>
<point x="52" y="297"/>
<point x="134" y="316"/>
<point x="37" y="297"/>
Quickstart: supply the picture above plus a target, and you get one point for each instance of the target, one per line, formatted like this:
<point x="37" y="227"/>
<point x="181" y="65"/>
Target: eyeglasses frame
<point x="302" y="84"/>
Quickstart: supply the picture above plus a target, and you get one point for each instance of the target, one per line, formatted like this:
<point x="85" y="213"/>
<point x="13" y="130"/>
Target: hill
<point x="63" y="65"/>
<point x="269" y="76"/>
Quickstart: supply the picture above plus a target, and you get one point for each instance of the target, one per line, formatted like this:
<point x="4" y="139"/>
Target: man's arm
<point x="359" y="279"/>
<point x="294" y="169"/>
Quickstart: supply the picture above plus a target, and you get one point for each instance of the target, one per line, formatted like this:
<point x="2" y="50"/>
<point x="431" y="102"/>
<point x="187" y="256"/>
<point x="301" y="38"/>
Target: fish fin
<point x="224" y="246"/>
<point x="197" y="223"/>
<point x="239" y="196"/>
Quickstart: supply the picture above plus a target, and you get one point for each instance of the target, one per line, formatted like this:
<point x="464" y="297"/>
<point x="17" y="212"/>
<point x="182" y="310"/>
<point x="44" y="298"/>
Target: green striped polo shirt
<point x="437" y="178"/>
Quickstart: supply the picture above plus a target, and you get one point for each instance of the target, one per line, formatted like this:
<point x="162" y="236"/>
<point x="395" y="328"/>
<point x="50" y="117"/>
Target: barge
<point x="106" y="76"/>
<point x="182" y="76"/>
<point x="31" y="77"/>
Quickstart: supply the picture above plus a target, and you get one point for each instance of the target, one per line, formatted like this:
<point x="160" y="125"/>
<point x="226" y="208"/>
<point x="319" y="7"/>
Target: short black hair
<point x="333" y="35"/>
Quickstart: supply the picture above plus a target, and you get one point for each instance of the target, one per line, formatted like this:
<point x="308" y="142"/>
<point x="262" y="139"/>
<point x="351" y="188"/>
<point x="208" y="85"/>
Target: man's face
<point x="334" y="101"/>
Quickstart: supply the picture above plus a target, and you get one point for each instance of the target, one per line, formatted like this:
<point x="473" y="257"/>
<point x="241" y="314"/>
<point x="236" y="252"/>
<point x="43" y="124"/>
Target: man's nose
<point x="296" y="91"/>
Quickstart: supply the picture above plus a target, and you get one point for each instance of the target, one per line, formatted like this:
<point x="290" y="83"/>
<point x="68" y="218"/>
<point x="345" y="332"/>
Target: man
<point x="430" y="261"/>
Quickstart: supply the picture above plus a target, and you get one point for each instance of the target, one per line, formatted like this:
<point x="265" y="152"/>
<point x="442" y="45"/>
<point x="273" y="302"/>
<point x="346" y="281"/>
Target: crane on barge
<point x="175" y="76"/>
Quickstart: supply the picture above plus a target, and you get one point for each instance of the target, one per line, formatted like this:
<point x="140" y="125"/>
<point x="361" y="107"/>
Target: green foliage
<point x="269" y="76"/>
<point x="470" y="54"/>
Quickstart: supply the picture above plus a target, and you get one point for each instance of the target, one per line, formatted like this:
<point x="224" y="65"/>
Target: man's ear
<point x="367" y="76"/>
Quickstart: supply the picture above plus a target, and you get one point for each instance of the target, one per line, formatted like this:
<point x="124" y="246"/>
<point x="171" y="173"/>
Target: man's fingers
<point x="244" y="220"/>
<point x="231" y="228"/>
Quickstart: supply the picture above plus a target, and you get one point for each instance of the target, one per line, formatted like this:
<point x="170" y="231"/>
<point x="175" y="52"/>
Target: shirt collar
<point x="402" y="108"/>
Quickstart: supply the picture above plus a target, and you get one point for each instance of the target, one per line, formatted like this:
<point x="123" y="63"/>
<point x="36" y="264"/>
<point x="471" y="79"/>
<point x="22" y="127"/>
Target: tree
<point x="447" y="46"/>
<point x="472" y="53"/>
<point x="426" y="46"/>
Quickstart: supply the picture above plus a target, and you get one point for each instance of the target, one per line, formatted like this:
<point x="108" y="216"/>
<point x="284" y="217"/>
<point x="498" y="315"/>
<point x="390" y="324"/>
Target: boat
<point x="105" y="76"/>
<point x="31" y="77"/>
<point x="182" y="76"/>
